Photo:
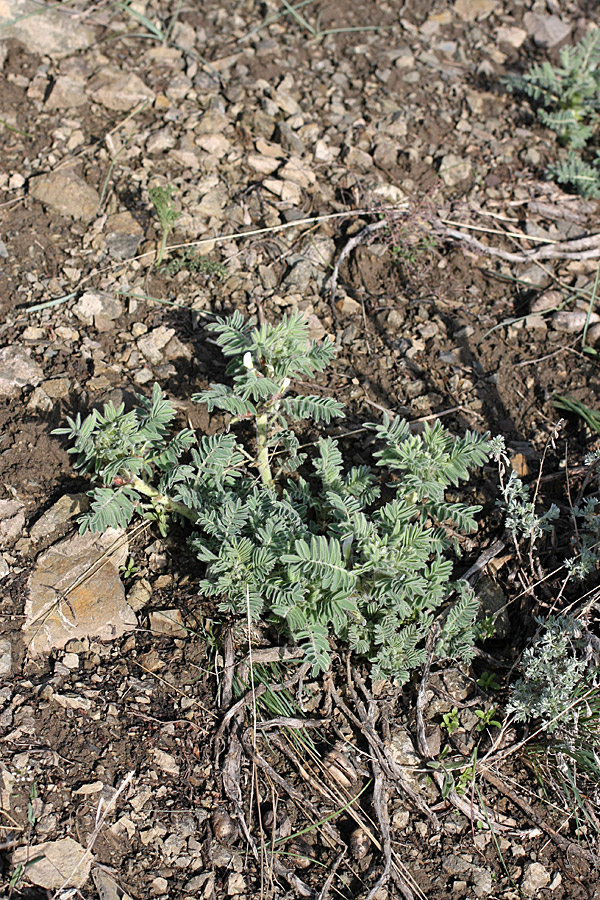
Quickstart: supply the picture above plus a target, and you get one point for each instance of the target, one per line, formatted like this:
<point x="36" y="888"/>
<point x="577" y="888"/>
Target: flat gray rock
<point x="546" y="31"/>
<point x="48" y="32"/>
<point x="17" y="369"/>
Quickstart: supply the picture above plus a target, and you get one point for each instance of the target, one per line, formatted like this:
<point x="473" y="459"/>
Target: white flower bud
<point x="247" y="360"/>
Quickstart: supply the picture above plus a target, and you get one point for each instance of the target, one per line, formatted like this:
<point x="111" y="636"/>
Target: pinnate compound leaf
<point x="319" y="409"/>
<point x="321" y="562"/>
<point x="315" y="643"/>
<point x="109" y="509"/>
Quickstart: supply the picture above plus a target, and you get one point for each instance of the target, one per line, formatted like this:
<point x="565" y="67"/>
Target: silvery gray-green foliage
<point x="559" y="669"/>
<point x="522" y="520"/>
<point x="568" y="102"/>
<point x="315" y="553"/>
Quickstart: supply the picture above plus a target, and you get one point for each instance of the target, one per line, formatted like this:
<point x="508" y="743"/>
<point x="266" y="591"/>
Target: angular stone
<point x="236" y="884"/>
<point x="456" y="865"/>
<point x="63" y="863"/>
<point x="453" y="169"/>
<point x="286" y="103"/>
<point x="117" y="90"/>
<point x="65" y="509"/>
<point x="75" y="591"/>
<point x="264" y="165"/>
<point x="473" y="10"/>
<point x="67" y="93"/>
<point x="355" y="158"/>
<point x="140" y="594"/>
<point x="57" y="388"/>
<point x="212" y="122"/>
<point x="160" y="141"/>
<point x="482" y="882"/>
<point x="299" y="172"/>
<point x="12" y="519"/>
<point x="5" y="658"/>
<point x="536" y="878"/>
<point x="215" y="144"/>
<point x="168" y="622"/>
<point x="300" y="276"/>
<point x="151" y="345"/>
<point x="66" y="193"/>
<point x="46" y="31"/>
<point x="165" y="761"/>
<point x="123" y="236"/>
<point x="39" y="402"/>
<point x="511" y="35"/>
<point x="348" y="307"/>
<point x="212" y="202"/>
<point x="107" y="887"/>
<point x="546" y="31"/>
<point x="17" y="369"/>
<point x="185" y="158"/>
<point x="403" y="753"/>
<point x="96" y="304"/>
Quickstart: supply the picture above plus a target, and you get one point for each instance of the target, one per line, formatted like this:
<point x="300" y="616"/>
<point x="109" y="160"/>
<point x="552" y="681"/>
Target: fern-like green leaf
<point x="314" y="641"/>
<point x="319" y="409"/>
<point x="577" y="174"/>
<point x="320" y="561"/>
<point x="108" y="509"/>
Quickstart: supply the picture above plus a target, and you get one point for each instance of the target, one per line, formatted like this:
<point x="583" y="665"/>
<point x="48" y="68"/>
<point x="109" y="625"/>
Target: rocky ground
<point x="375" y="141"/>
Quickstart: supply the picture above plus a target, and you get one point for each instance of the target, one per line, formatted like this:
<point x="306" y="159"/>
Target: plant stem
<point x="167" y="503"/>
<point x="162" y="247"/>
<point x="262" y="457"/>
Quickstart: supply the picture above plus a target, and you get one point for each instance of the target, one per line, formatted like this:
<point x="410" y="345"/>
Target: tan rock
<point x="75" y="591"/>
<point x="56" y="864"/>
<point x="67" y="93"/>
<point x="17" y="369"/>
<point x="453" y="169"/>
<point x="299" y="172"/>
<point x="117" y="90"/>
<point x="215" y="144"/>
<point x="268" y="148"/>
<point x="66" y="193"/>
<point x="46" y="31"/>
<point x="511" y="35"/>
<point x="165" y="761"/>
<point x="474" y="10"/>
<point x="264" y="165"/>
<point x="66" y="508"/>
<point x="168" y="622"/>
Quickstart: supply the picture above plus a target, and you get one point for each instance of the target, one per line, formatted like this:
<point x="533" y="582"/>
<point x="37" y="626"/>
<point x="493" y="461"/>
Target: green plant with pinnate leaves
<point x="567" y="100"/>
<point x="301" y="544"/>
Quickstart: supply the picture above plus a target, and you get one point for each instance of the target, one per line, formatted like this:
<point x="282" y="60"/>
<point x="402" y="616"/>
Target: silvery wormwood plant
<point x="302" y="545"/>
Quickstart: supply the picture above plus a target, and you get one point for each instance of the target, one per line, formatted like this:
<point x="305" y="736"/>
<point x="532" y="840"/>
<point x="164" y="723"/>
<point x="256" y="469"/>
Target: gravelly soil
<point x="281" y="147"/>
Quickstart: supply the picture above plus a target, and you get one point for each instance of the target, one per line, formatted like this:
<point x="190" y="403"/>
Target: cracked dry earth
<point x="122" y="773"/>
